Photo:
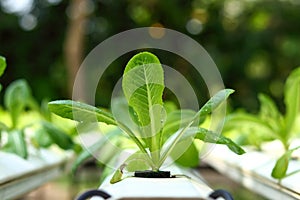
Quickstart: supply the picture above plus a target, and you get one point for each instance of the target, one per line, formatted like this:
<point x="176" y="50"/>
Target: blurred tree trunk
<point x="74" y="43"/>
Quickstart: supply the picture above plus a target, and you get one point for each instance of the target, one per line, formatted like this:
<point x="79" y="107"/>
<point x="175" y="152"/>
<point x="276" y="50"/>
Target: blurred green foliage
<point x="255" y="44"/>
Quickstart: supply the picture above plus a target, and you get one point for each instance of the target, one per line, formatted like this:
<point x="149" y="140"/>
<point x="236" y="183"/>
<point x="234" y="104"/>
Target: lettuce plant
<point x="270" y="124"/>
<point x="143" y="118"/>
<point x="18" y="101"/>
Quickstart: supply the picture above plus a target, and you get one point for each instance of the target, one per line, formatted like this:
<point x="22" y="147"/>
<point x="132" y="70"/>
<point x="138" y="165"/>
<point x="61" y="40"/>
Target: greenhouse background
<point x="255" y="45"/>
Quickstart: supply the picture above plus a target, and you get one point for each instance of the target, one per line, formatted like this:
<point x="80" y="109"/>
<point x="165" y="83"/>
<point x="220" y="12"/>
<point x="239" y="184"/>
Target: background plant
<point x="270" y="123"/>
<point x="27" y="122"/>
<point x="155" y="132"/>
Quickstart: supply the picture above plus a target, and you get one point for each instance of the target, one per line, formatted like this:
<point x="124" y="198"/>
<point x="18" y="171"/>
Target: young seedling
<point x="270" y="124"/>
<point x="17" y="101"/>
<point x="144" y="119"/>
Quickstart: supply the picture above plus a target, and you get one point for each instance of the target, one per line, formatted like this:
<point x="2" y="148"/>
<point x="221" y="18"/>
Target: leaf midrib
<point x="149" y="101"/>
<point x="88" y="110"/>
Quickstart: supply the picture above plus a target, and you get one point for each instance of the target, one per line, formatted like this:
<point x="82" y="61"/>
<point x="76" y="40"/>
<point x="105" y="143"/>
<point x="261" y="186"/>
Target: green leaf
<point x="176" y="120"/>
<point x="241" y="119"/>
<point x="17" y="143"/>
<point x="188" y="158"/>
<point x="2" y="65"/>
<point x="270" y="115"/>
<point x="80" y="111"/>
<point x="107" y="169"/>
<point x="132" y="136"/>
<point x="117" y="176"/>
<point x="17" y="96"/>
<point x="280" y="169"/>
<point x="292" y="98"/>
<point x="170" y="106"/>
<point x="212" y="104"/>
<point x="268" y="107"/>
<point x="212" y="137"/>
<point x="281" y="166"/>
<point x="143" y="86"/>
<point x="124" y="114"/>
<point x="59" y="137"/>
<point x="42" y="138"/>
<point x="136" y="162"/>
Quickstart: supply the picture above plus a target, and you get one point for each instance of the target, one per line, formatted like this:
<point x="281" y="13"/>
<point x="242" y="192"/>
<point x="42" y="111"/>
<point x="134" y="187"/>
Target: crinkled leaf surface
<point x="143" y="85"/>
